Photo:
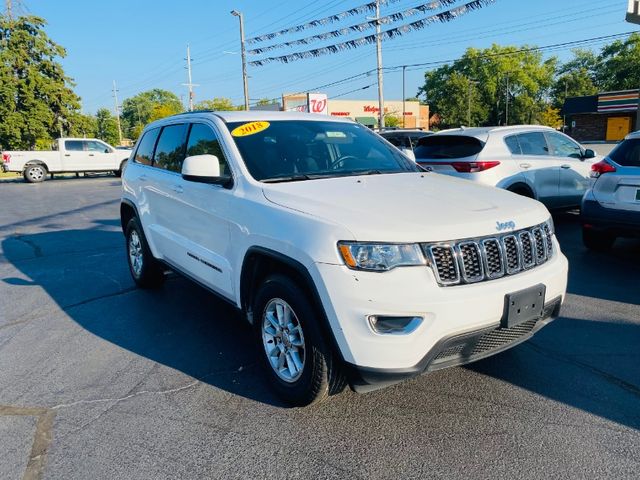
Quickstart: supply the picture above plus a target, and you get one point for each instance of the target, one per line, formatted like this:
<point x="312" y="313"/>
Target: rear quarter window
<point x="448" y="146"/>
<point x="627" y="153"/>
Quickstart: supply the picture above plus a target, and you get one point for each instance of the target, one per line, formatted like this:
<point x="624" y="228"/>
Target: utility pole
<point x="506" y="108"/>
<point x="117" y="111"/>
<point x="245" y="85"/>
<point x="404" y="98"/>
<point x="564" y="115"/>
<point x="471" y="83"/>
<point x="190" y="83"/>
<point x="379" y="56"/>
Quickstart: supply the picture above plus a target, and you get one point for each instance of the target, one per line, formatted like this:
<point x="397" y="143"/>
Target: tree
<point x="107" y="127"/>
<point x="80" y="125"/>
<point x="488" y="79"/>
<point x="266" y="101"/>
<point x="36" y="98"/>
<point x="551" y="117"/>
<point x="619" y="64"/>
<point x="391" y="120"/>
<point x="216" y="104"/>
<point x="147" y="106"/>
<point x="576" y="78"/>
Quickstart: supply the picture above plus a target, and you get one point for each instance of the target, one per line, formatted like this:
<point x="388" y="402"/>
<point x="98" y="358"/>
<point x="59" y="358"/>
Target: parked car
<point x="72" y="155"/>
<point x="533" y="161"/>
<point x="300" y="221"/>
<point x="611" y="206"/>
<point x="404" y="139"/>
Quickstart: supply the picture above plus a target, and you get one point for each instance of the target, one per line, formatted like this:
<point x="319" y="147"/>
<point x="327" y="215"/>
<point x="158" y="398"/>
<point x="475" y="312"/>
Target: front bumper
<point x="350" y="297"/>
<point x="616" y="221"/>
<point x="454" y="350"/>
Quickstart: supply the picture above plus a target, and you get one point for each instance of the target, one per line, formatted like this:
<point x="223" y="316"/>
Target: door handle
<point x="91" y="155"/>
<point x="177" y="188"/>
<point x="67" y="154"/>
<point x="565" y="166"/>
<point x="142" y="178"/>
<point x="525" y="165"/>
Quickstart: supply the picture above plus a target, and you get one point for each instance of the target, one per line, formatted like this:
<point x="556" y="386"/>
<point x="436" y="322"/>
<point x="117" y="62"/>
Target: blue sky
<point x="142" y="43"/>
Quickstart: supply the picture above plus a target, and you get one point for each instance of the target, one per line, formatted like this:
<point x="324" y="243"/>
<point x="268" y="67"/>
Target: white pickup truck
<point x="72" y="155"/>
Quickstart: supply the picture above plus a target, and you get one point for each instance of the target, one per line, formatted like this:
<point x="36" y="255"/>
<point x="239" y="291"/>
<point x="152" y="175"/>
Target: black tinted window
<point x="73" y="145"/>
<point x="627" y="153"/>
<point x="170" y="149"/>
<point x="144" y="153"/>
<point x="447" y="146"/>
<point x="533" y="143"/>
<point x="513" y="145"/>
<point x="202" y="141"/>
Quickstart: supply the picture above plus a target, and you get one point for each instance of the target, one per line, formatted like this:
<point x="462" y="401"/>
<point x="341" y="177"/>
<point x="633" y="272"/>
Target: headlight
<point x="380" y="257"/>
<point x="552" y="227"/>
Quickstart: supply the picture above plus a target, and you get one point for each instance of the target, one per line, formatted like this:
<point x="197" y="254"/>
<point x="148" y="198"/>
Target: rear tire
<point x="146" y="271"/>
<point x="35" y="173"/>
<point x="298" y="362"/>
<point x="597" y="241"/>
<point x="118" y="173"/>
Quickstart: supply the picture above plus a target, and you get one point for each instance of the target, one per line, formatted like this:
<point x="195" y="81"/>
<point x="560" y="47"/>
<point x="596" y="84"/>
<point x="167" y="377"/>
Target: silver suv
<point x="611" y="206"/>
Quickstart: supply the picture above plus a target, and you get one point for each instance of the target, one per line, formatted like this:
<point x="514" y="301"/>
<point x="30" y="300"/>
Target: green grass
<point x="8" y="175"/>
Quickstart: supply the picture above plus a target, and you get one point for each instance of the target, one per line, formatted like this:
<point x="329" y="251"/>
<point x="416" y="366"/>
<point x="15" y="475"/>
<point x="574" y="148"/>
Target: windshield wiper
<point x="298" y="177"/>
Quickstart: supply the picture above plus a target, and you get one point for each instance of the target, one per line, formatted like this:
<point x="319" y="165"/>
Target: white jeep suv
<point x="352" y="264"/>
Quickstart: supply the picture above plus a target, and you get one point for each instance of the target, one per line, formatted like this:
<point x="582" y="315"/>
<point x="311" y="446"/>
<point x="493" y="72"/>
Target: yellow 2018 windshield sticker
<point x="249" y="129"/>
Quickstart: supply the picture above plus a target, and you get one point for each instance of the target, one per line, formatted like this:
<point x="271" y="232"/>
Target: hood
<point x="408" y="207"/>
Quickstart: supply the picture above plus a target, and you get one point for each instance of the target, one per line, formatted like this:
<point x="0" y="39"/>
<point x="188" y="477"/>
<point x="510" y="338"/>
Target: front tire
<point x="146" y="271"/>
<point x="297" y="360"/>
<point x="597" y="241"/>
<point x="35" y="173"/>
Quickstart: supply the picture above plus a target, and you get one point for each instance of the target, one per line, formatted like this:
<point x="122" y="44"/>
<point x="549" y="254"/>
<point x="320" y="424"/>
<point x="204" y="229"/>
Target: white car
<point x="611" y="207"/>
<point x="302" y="223"/>
<point x="530" y="160"/>
<point x="72" y="155"/>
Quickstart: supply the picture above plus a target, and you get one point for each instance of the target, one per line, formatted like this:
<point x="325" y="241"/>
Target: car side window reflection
<point x="202" y="141"/>
<point x="533" y="143"/>
<point x="563" y="147"/>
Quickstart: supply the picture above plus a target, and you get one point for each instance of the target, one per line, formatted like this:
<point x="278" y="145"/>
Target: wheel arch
<point x="259" y="263"/>
<point x="35" y="162"/>
<point x="521" y="188"/>
<point x="127" y="211"/>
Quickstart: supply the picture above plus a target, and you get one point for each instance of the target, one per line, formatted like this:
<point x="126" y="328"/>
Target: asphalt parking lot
<point x="100" y="380"/>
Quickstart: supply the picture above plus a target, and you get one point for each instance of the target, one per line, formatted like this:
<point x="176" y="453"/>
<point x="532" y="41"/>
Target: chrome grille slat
<point x="491" y="257"/>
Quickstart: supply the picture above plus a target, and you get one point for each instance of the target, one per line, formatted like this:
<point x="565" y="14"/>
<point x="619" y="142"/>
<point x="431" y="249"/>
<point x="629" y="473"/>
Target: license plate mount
<point x="523" y="305"/>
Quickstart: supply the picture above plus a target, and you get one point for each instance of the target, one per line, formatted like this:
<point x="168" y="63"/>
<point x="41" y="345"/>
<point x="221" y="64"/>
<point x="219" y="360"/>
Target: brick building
<point x="606" y="116"/>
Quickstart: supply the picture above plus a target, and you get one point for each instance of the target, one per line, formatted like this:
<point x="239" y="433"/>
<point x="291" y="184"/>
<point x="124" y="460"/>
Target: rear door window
<point x="533" y="143"/>
<point x="627" y="153"/>
<point x="74" y="145"/>
<point x="144" y="153"/>
<point x="447" y="146"/>
<point x="170" y="149"/>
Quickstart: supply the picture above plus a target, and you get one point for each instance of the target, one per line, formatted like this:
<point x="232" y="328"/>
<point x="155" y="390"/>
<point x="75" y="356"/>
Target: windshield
<point x="290" y="150"/>
<point x="447" y="146"/>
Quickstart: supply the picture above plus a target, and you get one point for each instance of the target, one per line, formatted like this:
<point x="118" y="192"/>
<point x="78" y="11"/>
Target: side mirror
<point x="588" y="153"/>
<point x="106" y="150"/>
<point x="203" y="169"/>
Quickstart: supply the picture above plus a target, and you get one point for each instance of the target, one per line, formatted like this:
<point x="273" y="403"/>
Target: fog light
<point x="393" y="325"/>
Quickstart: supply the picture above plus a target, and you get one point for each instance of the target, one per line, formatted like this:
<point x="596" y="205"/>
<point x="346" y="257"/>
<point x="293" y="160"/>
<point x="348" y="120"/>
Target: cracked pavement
<point x="101" y="380"/>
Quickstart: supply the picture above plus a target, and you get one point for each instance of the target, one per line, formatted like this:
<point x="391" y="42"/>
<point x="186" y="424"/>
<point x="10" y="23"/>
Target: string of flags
<point x="366" y="8"/>
<point x="360" y="27"/>
<point x="442" y="17"/>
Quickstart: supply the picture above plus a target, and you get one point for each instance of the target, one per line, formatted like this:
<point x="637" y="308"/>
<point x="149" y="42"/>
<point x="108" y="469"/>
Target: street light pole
<point x="404" y="98"/>
<point x="379" y="56"/>
<point x="235" y="13"/>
